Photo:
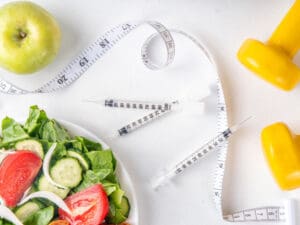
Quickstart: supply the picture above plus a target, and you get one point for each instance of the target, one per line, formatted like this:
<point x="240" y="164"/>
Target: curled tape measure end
<point x="290" y="211"/>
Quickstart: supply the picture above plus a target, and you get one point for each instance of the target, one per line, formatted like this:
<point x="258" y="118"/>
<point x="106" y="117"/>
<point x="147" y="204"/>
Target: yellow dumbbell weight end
<point x="282" y="151"/>
<point x="269" y="63"/>
<point x="273" y="61"/>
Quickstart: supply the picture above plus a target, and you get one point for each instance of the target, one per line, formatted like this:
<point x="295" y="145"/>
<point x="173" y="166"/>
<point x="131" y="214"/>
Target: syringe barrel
<point x="130" y="127"/>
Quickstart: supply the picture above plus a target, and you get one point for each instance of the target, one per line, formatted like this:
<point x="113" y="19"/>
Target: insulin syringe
<point x="157" y="110"/>
<point x="192" y="158"/>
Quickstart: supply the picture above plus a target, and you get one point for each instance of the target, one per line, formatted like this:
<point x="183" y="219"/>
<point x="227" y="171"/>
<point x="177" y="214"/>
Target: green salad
<point x="72" y="169"/>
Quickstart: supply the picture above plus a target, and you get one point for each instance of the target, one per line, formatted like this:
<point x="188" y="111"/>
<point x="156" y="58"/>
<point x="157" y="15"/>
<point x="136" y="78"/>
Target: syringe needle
<point x="143" y="105"/>
<point x="192" y="158"/>
<point x="237" y="126"/>
<point x="96" y="101"/>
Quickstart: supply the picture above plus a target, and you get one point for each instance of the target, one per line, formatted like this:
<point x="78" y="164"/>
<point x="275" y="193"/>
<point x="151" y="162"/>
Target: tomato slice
<point x="89" y="207"/>
<point x="59" y="222"/>
<point x="118" y="224"/>
<point x="17" y="172"/>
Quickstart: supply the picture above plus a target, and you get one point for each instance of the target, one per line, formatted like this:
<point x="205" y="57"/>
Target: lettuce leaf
<point x="109" y="187"/>
<point x="12" y="131"/>
<point x="102" y="160"/>
<point x="90" y="145"/>
<point x="35" y="119"/>
<point x="77" y="145"/>
<point x="53" y="132"/>
<point x="93" y="177"/>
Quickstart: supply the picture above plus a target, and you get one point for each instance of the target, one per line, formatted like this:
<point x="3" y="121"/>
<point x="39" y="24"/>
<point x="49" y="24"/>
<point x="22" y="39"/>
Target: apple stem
<point x="22" y="34"/>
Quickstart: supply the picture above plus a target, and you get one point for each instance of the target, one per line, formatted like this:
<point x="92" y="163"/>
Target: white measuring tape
<point x="96" y="51"/>
<point x="262" y="214"/>
<point x="102" y="45"/>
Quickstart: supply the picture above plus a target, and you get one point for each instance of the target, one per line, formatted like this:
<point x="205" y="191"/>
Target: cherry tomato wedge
<point x="59" y="222"/>
<point x="89" y="207"/>
<point x="17" y="172"/>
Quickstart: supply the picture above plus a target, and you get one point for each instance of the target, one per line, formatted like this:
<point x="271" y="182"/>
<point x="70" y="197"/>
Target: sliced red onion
<point x="7" y="214"/>
<point x="2" y="202"/>
<point x="26" y="192"/>
<point x="49" y="196"/>
<point x="46" y="165"/>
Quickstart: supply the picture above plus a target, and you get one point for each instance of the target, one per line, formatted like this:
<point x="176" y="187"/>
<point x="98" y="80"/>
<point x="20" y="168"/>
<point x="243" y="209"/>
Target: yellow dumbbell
<point x="282" y="151"/>
<point x="273" y="61"/>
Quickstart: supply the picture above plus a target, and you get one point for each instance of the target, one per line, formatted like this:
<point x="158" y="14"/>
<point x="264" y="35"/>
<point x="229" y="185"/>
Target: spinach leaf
<point x="53" y="132"/>
<point x="12" y="131"/>
<point x="42" y="217"/>
<point x="35" y="119"/>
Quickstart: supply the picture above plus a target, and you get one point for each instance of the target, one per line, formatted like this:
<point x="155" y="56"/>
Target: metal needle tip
<point x="239" y="125"/>
<point x="92" y="101"/>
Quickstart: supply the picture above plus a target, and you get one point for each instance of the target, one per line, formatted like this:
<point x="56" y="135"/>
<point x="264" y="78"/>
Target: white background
<point x="223" y="25"/>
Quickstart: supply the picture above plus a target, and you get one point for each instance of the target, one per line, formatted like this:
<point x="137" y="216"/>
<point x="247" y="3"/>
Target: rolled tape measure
<point x="101" y="46"/>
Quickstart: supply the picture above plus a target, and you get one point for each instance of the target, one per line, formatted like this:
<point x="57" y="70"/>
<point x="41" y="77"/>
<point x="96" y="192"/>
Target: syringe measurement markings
<point x="138" y="104"/>
<point x="208" y="147"/>
<point x="142" y="121"/>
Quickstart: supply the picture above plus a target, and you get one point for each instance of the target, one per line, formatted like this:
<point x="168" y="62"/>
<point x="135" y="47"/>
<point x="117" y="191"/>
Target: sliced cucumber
<point x="27" y="209"/>
<point x="117" y="196"/>
<point x="31" y="145"/>
<point x="45" y="185"/>
<point x="83" y="160"/>
<point x="67" y="172"/>
<point x="125" y="206"/>
<point x="117" y="214"/>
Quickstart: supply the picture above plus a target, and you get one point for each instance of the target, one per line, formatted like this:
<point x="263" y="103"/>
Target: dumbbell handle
<point x="287" y="35"/>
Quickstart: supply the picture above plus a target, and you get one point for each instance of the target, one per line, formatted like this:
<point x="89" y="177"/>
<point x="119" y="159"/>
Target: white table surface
<point x="223" y="25"/>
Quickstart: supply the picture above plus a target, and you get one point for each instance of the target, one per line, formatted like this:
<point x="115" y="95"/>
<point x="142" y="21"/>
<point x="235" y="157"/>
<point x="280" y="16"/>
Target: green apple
<point x="29" y="37"/>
